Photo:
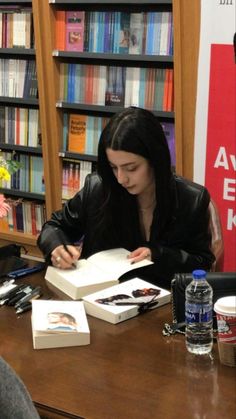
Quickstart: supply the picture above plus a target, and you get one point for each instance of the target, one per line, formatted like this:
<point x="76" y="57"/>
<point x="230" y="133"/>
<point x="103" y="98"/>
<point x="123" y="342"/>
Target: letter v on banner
<point x="215" y="124"/>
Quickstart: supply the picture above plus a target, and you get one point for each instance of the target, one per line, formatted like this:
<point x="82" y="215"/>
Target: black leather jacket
<point x="184" y="246"/>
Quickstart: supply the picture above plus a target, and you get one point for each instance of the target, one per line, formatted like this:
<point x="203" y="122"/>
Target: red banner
<point x="220" y="167"/>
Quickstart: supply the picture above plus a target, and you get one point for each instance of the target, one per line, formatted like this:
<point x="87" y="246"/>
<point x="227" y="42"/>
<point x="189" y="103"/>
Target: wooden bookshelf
<point x="186" y="20"/>
<point x="22" y="53"/>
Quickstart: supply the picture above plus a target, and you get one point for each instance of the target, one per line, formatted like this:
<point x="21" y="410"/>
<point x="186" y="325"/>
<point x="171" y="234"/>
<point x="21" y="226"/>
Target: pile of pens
<point x="19" y="296"/>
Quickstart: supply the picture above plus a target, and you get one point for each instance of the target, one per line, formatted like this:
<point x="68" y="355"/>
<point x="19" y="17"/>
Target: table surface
<point x="129" y="370"/>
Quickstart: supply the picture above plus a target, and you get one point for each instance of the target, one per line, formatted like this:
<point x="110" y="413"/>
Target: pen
<point x="19" y="295"/>
<point x="26" y="271"/>
<point x="24" y="307"/>
<point x="35" y="293"/>
<point x="11" y="294"/>
<point x="79" y="242"/>
<point x="74" y="265"/>
<point x="66" y="248"/>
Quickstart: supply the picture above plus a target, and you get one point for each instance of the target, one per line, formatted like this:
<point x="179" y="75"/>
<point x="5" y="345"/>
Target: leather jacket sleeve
<point x="68" y="224"/>
<point x="187" y="243"/>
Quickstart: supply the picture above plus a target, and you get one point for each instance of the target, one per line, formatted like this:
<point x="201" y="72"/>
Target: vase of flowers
<point x="7" y="167"/>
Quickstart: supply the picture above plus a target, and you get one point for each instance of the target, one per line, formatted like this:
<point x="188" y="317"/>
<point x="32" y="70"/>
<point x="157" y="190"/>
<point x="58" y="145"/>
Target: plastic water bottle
<point x="198" y="314"/>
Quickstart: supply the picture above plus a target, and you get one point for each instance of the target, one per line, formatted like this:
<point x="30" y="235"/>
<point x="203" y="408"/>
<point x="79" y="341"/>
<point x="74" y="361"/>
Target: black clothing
<point x="183" y="246"/>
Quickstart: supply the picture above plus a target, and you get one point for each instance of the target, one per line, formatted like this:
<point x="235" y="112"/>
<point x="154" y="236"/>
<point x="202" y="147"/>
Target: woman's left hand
<point x="140" y="254"/>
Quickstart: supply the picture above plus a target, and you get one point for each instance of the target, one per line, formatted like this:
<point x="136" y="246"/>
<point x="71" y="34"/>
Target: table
<point x="130" y="370"/>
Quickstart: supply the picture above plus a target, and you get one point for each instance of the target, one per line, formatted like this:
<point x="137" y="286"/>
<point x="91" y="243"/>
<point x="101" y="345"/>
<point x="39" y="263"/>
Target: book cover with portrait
<point x="59" y="324"/>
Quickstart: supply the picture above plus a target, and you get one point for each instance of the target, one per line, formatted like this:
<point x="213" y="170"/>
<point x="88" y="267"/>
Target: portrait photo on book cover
<point x="138" y="296"/>
<point x="60" y="321"/>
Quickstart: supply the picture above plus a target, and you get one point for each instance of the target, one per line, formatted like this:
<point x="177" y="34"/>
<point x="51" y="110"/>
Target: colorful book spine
<point x="60" y="30"/>
<point x="77" y="133"/>
<point x="74" y="30"/>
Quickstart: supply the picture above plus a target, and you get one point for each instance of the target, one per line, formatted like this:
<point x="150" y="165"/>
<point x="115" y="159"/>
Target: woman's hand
<point x="140" y="254"/>
<point x="65" y="257"/>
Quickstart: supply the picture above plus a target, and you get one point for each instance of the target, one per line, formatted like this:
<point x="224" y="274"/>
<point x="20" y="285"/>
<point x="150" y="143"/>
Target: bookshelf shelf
<point x="13" y="3"/>
<point x="22" y="194"/>
<point x="77" y="107"/>
<point x="161" y="59"/>
<point x="22" y="149"/>
<point x="28" y="103"/>
<point x="19" y="52"/>
<point x="22" y="238"/>
<point x="77" y="156"/>
<point x="124" y="2"/>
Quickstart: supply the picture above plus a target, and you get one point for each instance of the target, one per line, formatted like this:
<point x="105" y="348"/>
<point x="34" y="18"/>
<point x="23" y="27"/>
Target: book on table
<point x="125" y="300"/>
<point x="59" y="324"/>
<point x="99" y="271"/>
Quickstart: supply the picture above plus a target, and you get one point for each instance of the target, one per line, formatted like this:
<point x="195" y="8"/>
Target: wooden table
<point x="128" y="371"/>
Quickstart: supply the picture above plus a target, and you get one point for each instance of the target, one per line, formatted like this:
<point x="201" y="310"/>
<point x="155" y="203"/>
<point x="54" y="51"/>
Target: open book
<point x="99" y="271"/>
<point x="59" y="324"/>
<point x="123" y="301"/>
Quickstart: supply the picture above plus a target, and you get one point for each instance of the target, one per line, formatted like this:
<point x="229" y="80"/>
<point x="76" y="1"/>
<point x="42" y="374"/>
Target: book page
<point x="115" y="261"/>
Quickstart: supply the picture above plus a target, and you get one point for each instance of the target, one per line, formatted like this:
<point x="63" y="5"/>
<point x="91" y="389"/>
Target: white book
<point x="59" y="324"/>
<point x="128" y="86"/>
<point x="126" y="300"/>
<point x="102" y="85"/>
<point x="164" y="33"/>
<point x="136" y="33"/>
<point x="99" y="271"/>
<point x="135" y="87"/>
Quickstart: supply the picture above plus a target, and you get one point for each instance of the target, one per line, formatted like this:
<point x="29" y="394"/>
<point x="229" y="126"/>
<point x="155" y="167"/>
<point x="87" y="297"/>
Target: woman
<point x="134" y="201"/>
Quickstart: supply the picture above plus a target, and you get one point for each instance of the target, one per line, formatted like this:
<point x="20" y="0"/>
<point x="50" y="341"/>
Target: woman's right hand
<point x="65" y="257"/>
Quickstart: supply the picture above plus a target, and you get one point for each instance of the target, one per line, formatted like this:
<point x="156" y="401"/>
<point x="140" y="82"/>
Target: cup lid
<point x="226" y="305"/>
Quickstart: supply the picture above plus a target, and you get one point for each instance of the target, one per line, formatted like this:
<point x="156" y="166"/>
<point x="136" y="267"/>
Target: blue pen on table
<point x="26" y="271"/>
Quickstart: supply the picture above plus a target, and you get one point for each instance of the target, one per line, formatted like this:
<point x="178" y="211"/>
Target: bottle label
<point x="198" y="313"/>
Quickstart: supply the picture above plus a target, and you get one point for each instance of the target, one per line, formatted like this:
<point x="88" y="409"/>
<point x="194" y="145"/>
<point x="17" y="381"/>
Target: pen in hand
<point x="65" y="246"/>
<point x="74" y="264"/>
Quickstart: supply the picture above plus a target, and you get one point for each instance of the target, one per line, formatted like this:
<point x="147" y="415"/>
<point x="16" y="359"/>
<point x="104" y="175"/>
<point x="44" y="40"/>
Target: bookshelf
<point x="18" y="104"/>
<point x="186" y="22"/>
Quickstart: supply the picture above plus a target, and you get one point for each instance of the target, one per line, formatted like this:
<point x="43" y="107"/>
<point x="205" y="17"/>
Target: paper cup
<point x="225" y="309"/>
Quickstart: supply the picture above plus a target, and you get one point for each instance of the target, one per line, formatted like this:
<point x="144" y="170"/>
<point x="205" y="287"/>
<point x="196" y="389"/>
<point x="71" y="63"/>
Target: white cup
<point x="225" y="309"/>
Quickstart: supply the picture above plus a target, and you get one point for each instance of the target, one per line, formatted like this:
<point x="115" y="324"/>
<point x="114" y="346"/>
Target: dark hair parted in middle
<point x="136" y="131"/>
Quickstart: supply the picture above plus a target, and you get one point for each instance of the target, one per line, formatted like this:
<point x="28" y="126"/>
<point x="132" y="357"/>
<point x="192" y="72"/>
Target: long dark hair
<point x="137" y="131"/>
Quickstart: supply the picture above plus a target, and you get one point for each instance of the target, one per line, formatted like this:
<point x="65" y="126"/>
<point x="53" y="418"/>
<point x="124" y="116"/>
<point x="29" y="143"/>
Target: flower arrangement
<point x="7" y="168"/>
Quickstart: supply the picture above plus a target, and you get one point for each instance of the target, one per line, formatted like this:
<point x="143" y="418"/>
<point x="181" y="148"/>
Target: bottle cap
<point x="199" y="274"/>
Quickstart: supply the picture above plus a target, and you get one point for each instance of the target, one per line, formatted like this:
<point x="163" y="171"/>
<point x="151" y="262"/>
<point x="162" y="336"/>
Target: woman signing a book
<point x="134" y="201"/>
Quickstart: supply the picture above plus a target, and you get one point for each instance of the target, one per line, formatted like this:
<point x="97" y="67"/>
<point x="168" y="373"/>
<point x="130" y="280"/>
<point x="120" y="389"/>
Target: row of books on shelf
<point x="24" y="216"/>
<point x="81" y="134"/>
<point x="30" y="177"/>
<point x="115" y="32"/>
<point x="150" y="88"/>
<point x="16" y="27"/>
<point x="18" y="78"/>
<point x="73" y="176"/>
<point x="20" y="126"/>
